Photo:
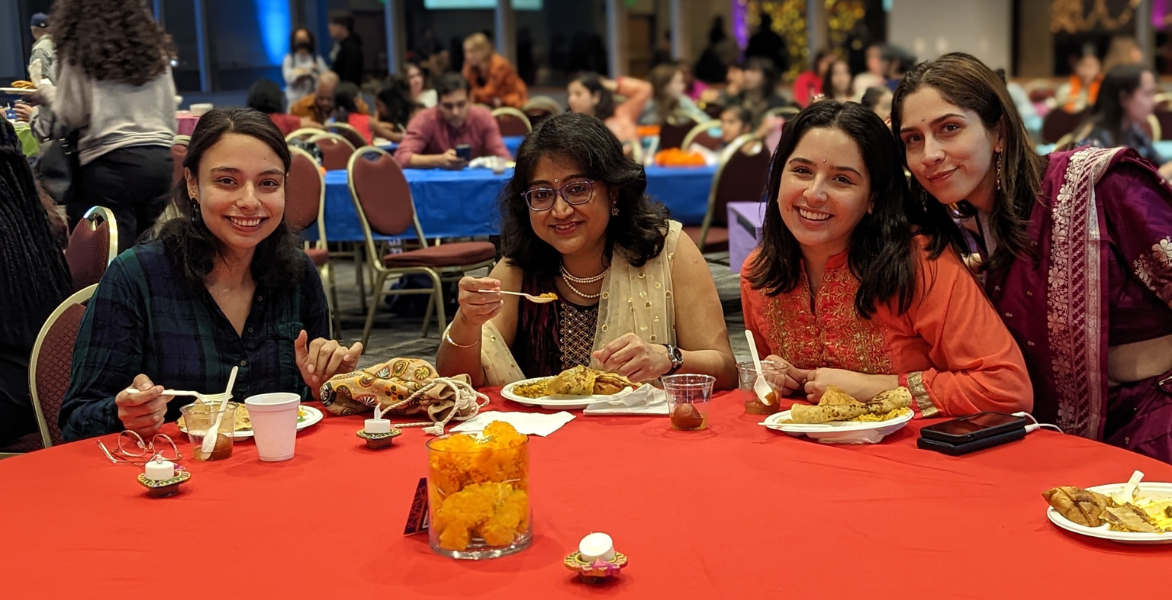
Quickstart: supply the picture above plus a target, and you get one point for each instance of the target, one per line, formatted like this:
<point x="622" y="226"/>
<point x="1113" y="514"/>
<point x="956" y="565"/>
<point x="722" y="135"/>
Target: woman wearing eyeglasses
<point x="577" y="223"/>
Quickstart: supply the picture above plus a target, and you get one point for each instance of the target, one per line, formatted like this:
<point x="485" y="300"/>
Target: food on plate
<point x="578" y="381"/>
<point x="837" y="405"/>
<point x="1128" y="510"/>
<point x="21" y="84"/>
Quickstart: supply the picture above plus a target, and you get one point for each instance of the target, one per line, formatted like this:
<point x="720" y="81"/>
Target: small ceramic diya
<point x="162" y="479"/>
<point x="596" y="560"/>
<point x="378" y="441"/>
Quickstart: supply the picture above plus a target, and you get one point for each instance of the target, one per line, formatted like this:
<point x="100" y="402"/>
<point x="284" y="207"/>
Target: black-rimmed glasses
<point x="574" y="192"/>
<point x="132" y="449"/>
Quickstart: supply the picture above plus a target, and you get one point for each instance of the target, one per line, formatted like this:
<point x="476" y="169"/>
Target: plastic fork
<point x="529" y="297"/>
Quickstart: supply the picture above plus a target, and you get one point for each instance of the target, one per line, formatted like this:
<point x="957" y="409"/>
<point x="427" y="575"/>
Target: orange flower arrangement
<point x="478" y="487"/>
<point x="675" y="157"/>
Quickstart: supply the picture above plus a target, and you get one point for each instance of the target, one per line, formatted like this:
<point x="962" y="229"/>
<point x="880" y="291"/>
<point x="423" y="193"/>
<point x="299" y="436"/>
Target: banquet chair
<point x="1163" y="116"/>
<point x="93" y="245"/>
<point x="740" y="176"/>
<point x="1059" y="122"/>
<point x="675" y="128"/>
<point x="349" y="133"/>
<point x="303" y="134"/>
<point x="305" y="203"/>
<point x="335" y="150"/>
<point x="540" y="108"/>
<point x="383" y="201"/>
<point x="52" y="360"/>
<point x="512" y="122"/>
<point x="785" y="112"/>
<point x="178" y="155"/>
<point x="699" y="135"/>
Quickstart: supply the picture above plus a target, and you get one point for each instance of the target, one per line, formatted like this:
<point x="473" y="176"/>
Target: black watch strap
<point x="677" y="358"/>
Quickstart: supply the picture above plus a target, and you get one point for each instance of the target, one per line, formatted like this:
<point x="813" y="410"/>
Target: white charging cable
<point x="1036" y="425"/>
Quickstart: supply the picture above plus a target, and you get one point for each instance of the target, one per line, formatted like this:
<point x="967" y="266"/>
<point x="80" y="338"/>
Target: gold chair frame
<point x="79" y="297"/>
<point x="326" y="271"/>
<point x="101" y="213"/>
<point x="725" y="155"/>
<point x="336" y="128"/>
<point x="381" y="272"/>
<point x="512" y="112"/>
<point x="785" y="112"/>
<point x="697" y="130"/>
<point x="306" y="132"/>
<point x="543" y="102"/>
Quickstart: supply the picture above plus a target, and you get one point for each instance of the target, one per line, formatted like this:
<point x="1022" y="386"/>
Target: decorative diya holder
<point x="378" y="432"/>
<point x="162" y="478"/>
<point x="596" y="571"/>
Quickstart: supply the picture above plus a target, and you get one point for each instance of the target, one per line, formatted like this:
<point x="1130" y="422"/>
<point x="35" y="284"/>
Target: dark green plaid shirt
<point x="145" y="317"/>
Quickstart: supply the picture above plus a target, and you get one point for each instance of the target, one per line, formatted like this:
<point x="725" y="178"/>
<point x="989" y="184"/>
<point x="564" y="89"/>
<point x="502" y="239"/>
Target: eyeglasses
<point x="574" y="192"/>
<point x="450" y="106"/>
<point x="133" y="450"/>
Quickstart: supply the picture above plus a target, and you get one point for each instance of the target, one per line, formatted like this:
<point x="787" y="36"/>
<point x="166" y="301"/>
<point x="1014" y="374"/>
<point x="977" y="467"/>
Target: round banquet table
<point x="737" y="511"/>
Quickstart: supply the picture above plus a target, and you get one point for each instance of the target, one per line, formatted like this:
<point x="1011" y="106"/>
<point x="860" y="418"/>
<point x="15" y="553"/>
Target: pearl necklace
<point x="568" y="278"/>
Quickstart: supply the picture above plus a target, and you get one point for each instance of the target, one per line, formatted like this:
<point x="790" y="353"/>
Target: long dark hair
<point x="188" y="242"/>
<point x="1122" y="80"/>
<point x="660" y="79"/>
<point x="593" y="83"/>
<point x="881" y="254"/>
<point x="828" y="80"/>
<point x="34" y="277"/>
<point x="965" y="81"/>
<point x="110" y="40"/>
<point x="769" y="76"/>
<point x="266" y="96"/>
<point x="293" y="41"/>
<point x="395" y="94"/>
<point x="639" y="229"/>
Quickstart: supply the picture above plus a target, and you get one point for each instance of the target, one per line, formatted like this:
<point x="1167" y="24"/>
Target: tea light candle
<point x="377" y="426"/>
<point x="160" y="470"/>
<point x="596" y="546"/>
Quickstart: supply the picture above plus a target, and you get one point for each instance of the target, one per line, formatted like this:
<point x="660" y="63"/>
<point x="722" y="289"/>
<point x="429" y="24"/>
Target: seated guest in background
<point x="34" y="279"/>
<point x="224" y="285"/>
<point x="808" y="84"/>
<point x="759" y="93"/>
<point x="734" y="80"/>
<point x="346" y="55"/>
<point x="592" y="94"/>
<point x="319" y="107"/>
<point x="735" y="121"/>
<point x="434" y="133"/>
<point x="1126" y="99"/>
<point x="843" y="289"/>
<point x="346" y="110"/>
<point x="576" y="221"/>
<point x="837" y="82"/>
<point x="667" y="83"/>
<point x="420" y="81"/>
<point x="302" y="66"/>
<point x="1082" y="89"/>
<point x="1073" y="248"/>
<point x="492" y="79"/>
<point x="873" y="76"/>
<point x="393" y="109"/>
<point x="899" y="61"/>
<point x="878" y="101"/>
<point x="265" y="96"/>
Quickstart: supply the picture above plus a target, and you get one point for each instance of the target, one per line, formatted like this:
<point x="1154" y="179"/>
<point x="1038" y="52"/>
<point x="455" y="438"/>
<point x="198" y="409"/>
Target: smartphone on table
<point x="972" y="433"/>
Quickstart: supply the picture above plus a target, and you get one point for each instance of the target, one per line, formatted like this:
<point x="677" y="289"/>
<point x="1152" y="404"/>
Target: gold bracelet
<point x="448" y="338"/>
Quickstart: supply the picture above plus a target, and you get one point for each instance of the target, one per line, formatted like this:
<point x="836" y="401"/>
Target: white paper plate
<point x="1104" y="532"/>
<point x="311" y="417"/>
<point x="559" y="402"/>
<point x="17" y="91"/>
<point x="839" y="431"/>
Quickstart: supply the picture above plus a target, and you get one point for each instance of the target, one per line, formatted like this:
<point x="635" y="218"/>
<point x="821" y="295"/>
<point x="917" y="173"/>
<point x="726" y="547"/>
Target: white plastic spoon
<point x="760" y="386"/>
<point x="209" y="438"/>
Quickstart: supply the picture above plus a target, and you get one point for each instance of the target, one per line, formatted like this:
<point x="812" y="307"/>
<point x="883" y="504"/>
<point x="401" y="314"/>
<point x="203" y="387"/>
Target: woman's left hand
<point x="321" y="359"/>
<point x="633" y="358"/>
<point x="860" y="385"/>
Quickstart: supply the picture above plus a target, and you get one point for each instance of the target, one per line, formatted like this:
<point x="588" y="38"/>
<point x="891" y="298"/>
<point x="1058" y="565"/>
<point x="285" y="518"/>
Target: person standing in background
<point x="767" y="44"/>
<point x="302" y="66"/>
<point x="114" y="87"/>
<point x="43" y="50"/>
<point x="492" y="79"/>
<point x="346" y="55"/>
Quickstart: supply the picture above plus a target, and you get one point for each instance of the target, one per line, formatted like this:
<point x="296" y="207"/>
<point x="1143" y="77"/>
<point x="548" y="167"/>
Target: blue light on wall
<point x="275" y="25"/>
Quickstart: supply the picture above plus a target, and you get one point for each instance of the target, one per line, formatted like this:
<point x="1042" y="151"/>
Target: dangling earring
<point x="194" y="211"/>
<point x="614" y="210"/>
<point x="997" y="157"/>
<point x="924" y="199"/>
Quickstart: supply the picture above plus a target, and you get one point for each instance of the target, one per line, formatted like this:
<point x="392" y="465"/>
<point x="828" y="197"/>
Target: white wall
<point x="930" y="28"/>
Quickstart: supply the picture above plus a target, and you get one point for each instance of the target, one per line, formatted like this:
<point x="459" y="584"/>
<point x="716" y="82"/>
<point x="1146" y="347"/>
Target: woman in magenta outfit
<point x="1075" y="249"/>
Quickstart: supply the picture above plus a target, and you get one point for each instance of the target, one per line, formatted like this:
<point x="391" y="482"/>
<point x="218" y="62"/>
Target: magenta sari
<point x="1101" y="276"/>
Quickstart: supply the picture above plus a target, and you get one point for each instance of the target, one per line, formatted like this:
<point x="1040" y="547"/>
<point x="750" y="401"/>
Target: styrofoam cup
<point x="274" y="424"/>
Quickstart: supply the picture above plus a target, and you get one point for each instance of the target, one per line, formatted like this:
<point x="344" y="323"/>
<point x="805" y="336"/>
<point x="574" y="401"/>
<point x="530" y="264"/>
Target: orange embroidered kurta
<point x="501" y="82"/>
<point x="950" y="348"/>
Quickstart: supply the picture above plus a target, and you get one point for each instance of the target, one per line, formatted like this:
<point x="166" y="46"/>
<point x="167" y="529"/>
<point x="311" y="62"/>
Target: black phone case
<point x="947" y="438"/>
<point x="973" y="446"/>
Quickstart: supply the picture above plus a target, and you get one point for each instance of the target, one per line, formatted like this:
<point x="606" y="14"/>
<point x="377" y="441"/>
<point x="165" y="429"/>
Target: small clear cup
<point x="688" y="398"/>
<point x="198" y="419"/>
<point x="747" y="376"/>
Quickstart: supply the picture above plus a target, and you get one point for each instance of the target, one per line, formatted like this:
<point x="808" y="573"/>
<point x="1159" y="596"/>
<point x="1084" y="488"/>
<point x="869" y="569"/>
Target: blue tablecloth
<point x="512" y="142"/>
<point x="463" y="203"/>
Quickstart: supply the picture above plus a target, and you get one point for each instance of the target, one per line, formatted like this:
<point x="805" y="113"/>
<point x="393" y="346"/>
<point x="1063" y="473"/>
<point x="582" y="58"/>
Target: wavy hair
<point x="640" y="228"/>
<point x="965" y="81"/>
<point x="593" y="84"/>
<point x="111" y="40"/>
<point x="189" y="244"/>
<point x="882" y="253"/>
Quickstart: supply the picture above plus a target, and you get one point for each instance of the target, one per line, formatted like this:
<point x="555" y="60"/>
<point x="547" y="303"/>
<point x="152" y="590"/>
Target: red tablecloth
<point x="737" y="511"/>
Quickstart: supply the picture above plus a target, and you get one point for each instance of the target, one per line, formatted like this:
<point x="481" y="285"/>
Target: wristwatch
<point x="677" y="358"/>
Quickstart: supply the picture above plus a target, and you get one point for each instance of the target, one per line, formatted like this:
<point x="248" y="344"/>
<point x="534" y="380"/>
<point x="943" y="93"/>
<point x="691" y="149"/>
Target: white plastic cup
<point x="274" y="424"/>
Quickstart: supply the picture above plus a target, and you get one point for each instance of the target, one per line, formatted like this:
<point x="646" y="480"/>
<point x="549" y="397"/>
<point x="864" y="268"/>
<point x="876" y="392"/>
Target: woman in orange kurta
<point x="492" y="79"/>
<point x="842" y="291"/>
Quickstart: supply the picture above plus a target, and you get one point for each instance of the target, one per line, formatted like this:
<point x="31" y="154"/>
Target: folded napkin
<point x="527" y="423"/>
<point x="646" y="400"/>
